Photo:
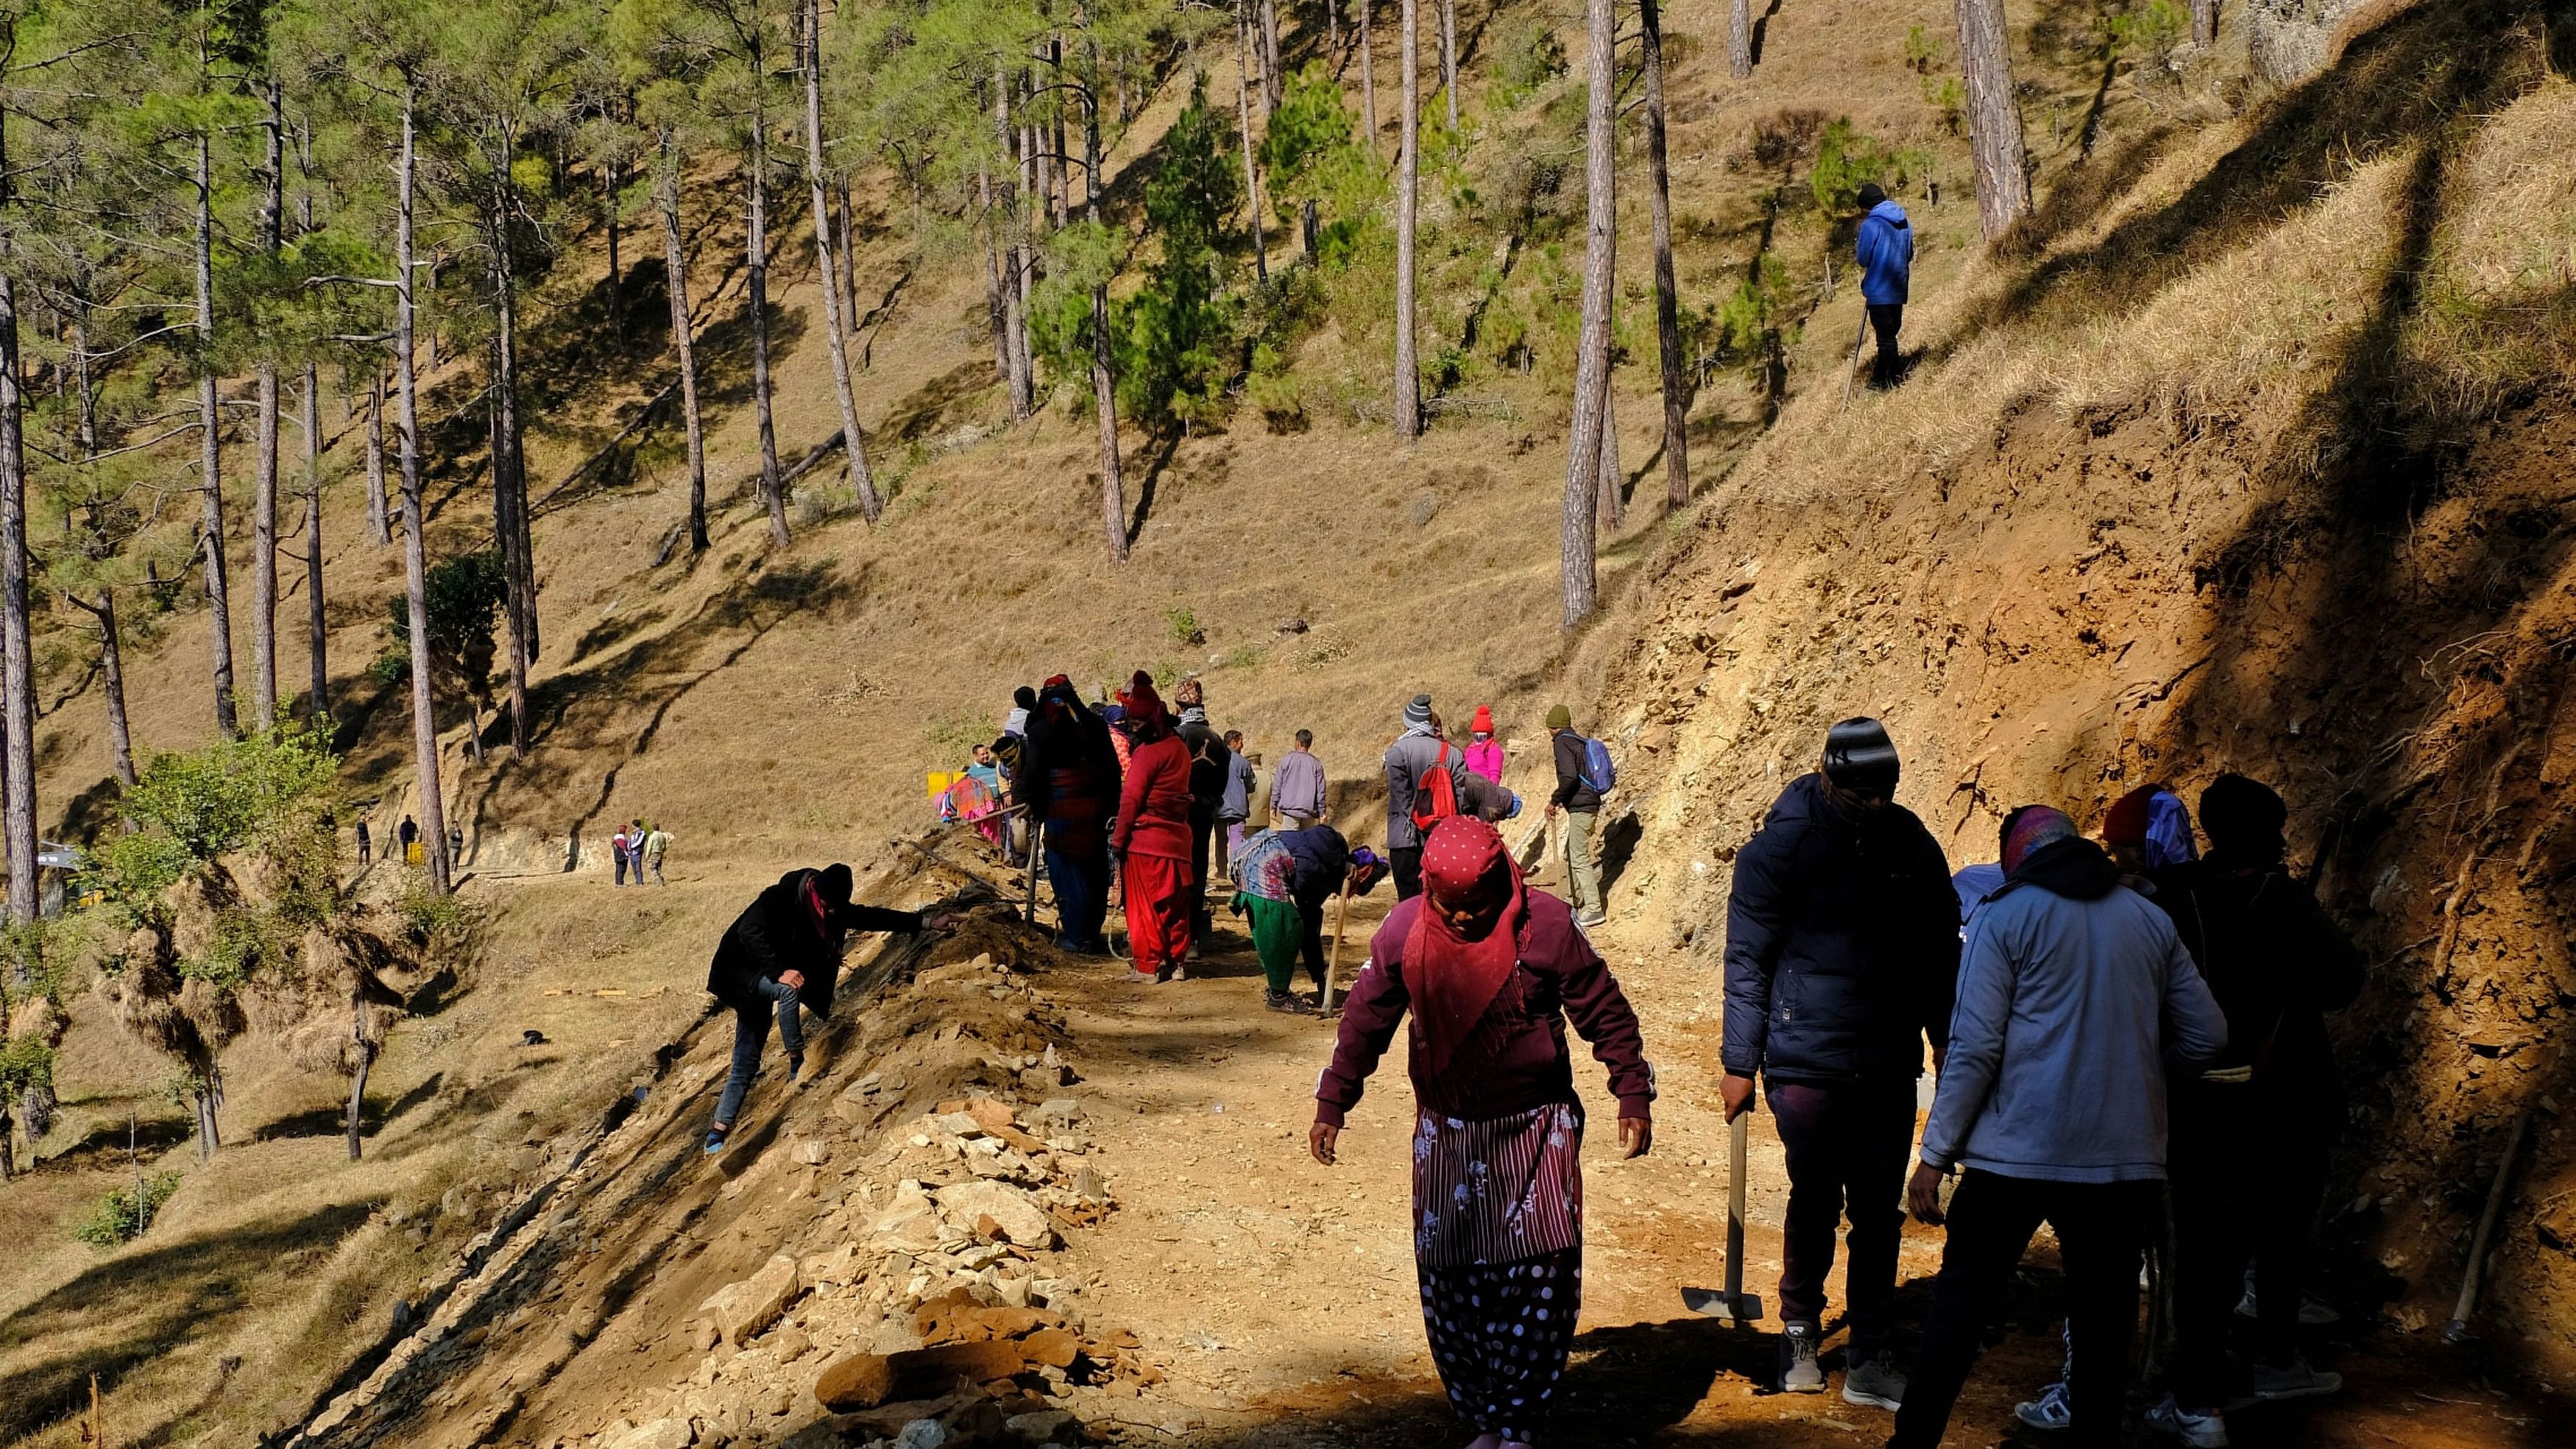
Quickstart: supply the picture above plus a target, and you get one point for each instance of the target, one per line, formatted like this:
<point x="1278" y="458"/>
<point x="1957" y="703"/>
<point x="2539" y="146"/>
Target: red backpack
<point x="1437" y="795"/>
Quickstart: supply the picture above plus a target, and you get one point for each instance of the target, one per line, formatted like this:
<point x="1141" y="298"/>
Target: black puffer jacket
<point x="777" y="933"/>
<point x="1842" y="944"/>
<point x="2277" y="964"/>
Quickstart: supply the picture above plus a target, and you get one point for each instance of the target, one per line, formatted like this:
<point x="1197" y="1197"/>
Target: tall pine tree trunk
<point x="316" y="620"/>
<point x="210" y="448"/>
<point x="111" y="673"/>
<point x="17" y="662"/>
<point x="772" y="490"/>
<point x="111" y="648"/>
<point x="2204" y="22"/>
<point x="1333" y="33"/>
<point x="1668" y="323"/>
<point x="848" y="281"/>
<point x="675" y="264"/>
<point x="1449" y="58"/>
<point x="1104" y="391"/>
<point x="263" y="556"/>
<point x="1272" y="89"/>
<point x="1994" y="117"/>
<point x="1408" y="168"/>
<point x="1368" y="80"/>
<point x="1739" y="39"/>
<point x="509" y="473"/>
<point x="1243" y="107"/>
<point x="1014" y="271"/>
<point x="379" y="524"/>
<point x="424" y="721"/>
<point x="994" y="291"/>
<point x="1611" y="481"/>
<point x="853" y="442"/>
<point x="1591" y="379"/>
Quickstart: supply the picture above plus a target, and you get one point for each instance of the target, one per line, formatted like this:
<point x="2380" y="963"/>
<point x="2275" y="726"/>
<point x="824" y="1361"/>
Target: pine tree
<point x="1994" y="117"/>
<point x="853" y="443"/>
<point x="1739" y="39"/>
<point x="1592" y="370"/>
<point x="1668" y="329"/>
<point x="1408" y="181"/>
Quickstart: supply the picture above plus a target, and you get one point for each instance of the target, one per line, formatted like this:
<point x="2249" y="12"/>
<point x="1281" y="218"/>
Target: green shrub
<point x="126" y="1214"/>
<point x="1526" y="57"/>
<point x="1183" y="621"/>
<point x="431" y="919"/>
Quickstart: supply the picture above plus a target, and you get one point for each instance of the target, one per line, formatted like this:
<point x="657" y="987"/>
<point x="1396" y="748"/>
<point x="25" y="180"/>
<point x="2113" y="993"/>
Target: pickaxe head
<point x="1722" y="1306"/>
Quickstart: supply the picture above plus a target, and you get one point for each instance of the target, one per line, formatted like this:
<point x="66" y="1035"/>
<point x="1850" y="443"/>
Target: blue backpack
<point x="1598" y="773"/>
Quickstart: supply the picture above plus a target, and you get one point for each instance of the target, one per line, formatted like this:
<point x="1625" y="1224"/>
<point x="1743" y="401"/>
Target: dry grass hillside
<point x="2250" y="456"/>
<point x="2242" y="457"/>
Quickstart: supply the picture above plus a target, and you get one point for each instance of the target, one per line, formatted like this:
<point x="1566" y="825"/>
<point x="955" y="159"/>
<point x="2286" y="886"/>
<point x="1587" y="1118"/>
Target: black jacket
<point x="1066" y="751"/>
<point x="1571" y="792"/>
<point x="2276" y="962"/>
<point x="777" y="934"/>
<point x="1842" y="944"/>
<point x="1211" y="766"/>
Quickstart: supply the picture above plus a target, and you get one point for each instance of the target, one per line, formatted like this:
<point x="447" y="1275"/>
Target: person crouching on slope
<point x="1491" y="971"/>
<point x="2073" y="993"/>
<point x="1283" y="878"/>
<point x="783" y="952"/>
<point x="1153" y="836"/>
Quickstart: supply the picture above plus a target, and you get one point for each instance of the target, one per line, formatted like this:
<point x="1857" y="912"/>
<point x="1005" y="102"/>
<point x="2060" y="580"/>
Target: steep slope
<point x="2255" y="462"/>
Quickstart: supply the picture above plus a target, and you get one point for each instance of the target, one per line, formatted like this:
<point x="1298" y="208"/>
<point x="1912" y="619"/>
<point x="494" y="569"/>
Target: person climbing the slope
<point x="1580" y="803"/>
<point x="2069" y="977"/>
<point x="1490" y="971"/>
<point x="1484" y="752"/>
<point x="1885" y="251"/>
<point x="1413" y="801"/>
<point x="1297" y="786"/>
<point x="1024" y="703"/>
<point x="1153" y="837"/>
<point x="1842" y="946"/>
<point x="2252" y="1127"/>
<point x="1068" y="775"/>
<point x="782" y="953"/>
<point x="1283" y="879"/>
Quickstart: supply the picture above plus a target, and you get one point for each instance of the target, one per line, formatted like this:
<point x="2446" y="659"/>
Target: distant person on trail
<point x="2250" y="1128"/>
<point x="407" y="836"/>
<point x="1241" y="785"/>
<point x="1581" y="805"/>
<point x="783" y="950"/>
<point x="366" y="845"/>
<point x="1297" y="786"/>
<point x="1153" y="838"/>
<point x="657" y="843"/>
<point x="2073" y="994"/>
<point x="1842" y="947"/>
<point x="1283" y="880"/>
<point x="1068" y="776"/>
<point x="1885" y="251"/>
<point x="620" y="848"/>
<point x="1491" y="971"/>
<point x="1211" y="772"/>
<point x="1414" y="803"/>
<point x="1024" y="702"/>
<point x="1484" y="752"/>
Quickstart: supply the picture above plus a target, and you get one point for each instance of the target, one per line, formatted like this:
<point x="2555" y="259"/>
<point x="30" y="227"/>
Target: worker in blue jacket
<point x="1885" y="251"/>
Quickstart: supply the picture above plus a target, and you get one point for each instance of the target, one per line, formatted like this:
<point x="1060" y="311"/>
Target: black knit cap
<point x="1859" y="757"/>
<point x="832" y="883"/>
<point x="2243" y="816"/>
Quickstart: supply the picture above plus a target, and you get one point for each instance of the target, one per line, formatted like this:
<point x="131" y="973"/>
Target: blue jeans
<point x="1081" y="881"/>
<point x="751" y="1036"/>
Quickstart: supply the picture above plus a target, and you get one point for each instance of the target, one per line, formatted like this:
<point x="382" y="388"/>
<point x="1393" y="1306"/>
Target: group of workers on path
<point x="2129" y="1042"/>
<point x="638" y="846"/>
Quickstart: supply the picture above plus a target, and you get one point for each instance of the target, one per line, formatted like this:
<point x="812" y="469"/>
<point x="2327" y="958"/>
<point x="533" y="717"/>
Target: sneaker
<point x="715" y="1142"/>
<point x="1589" y="919"/>
<point x="1289" y="1002"/>
<point x="2200" y="1431"/>
<point x="2051" y="1411"/>
<point x="1799" y="1371"/>
<point x="1874" y="1383"/>
<point x="2312" y="1314"/>
<point x="2294" y="1380"/>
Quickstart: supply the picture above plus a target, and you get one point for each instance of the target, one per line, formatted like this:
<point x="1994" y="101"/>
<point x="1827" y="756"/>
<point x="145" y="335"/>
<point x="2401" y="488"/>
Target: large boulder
<point x="910" y="1221"/>
<point x="741" y="1310"/>
<point x="1015" y="1216"/>
<point x="865" y="1380"/>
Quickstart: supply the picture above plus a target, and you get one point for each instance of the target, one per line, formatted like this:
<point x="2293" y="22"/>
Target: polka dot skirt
<point x="1500" y="1333"/>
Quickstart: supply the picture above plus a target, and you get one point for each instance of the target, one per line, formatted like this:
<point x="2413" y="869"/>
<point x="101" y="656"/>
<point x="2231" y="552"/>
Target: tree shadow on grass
<point x="129" y="1312"/>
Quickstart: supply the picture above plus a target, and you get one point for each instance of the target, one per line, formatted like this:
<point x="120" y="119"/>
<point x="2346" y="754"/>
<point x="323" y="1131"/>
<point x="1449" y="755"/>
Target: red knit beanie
<point x="1483" y="723"/>
<point x="2127" y="822"/>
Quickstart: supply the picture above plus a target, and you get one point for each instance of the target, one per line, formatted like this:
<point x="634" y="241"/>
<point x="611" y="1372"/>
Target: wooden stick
<point x="1857" y="344"/>
<point x="2458" y="1331"/>
<point x="1333" y="968"/>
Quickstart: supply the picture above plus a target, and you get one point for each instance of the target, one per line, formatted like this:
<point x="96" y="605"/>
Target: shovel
<point x="1333" y="967"/>
<point x="1733" y="1305"/>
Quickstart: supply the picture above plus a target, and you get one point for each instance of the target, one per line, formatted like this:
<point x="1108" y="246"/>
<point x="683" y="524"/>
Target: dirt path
<point x="1280" y="1295"/>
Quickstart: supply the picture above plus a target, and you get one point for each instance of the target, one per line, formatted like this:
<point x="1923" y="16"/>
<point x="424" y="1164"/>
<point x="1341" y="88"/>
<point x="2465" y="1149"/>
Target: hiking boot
<point x="1799" y="1371"/>
<point x="1874" y="1382"/>
<point x="1289" y="1002"/>
<point x="2050" y="1411"/>
<point x="2200" y="1431"/>
<point x="715" y="1141"/>
<point x="2312" y="1314"/>
<point x="2294" y="1380"/>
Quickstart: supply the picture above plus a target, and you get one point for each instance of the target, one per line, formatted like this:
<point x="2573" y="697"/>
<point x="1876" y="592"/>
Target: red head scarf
<point x="2126" y="824"/>
<point x="1145" y="708"/>
<point x="1454" y="974"/>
